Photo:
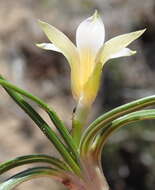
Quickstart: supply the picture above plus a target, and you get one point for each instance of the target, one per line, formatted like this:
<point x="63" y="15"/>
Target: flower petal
<point x="91" y="87"/>
<point x="123" y="53"/>
<point x="61" y="41"/>
<point x="48" y="46"/>
<point x="90" y="34"/>
<point x="115" y="45"/>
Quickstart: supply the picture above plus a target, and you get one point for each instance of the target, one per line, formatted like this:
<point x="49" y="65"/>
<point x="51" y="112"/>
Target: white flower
<point x="87" y="58"/>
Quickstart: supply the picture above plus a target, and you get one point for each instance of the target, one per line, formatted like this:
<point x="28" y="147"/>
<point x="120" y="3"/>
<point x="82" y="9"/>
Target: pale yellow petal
<point x="48" y="46"/>
<point x="61" y="41"/>
<point x="75" y="81"/>
<point x="84" y="77"/>
<point x="116" y="44"/>
<point x="91" y="87"/>
<point x="123" y="53"/>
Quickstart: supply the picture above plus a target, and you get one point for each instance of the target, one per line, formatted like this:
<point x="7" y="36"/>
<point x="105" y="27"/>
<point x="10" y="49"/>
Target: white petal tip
<point x="96" y="14"/>
<point x="140" y="32"/>
<point x="143" y="30"/>
<point x="48" y="46"/>
<point x="42" y="46"/>
<point x="42" y="24"/>
<point x="129" y="52"/>
<point x="123" y="53"/>
<point x="39" y="45"/>
<point x="133" y="52"/>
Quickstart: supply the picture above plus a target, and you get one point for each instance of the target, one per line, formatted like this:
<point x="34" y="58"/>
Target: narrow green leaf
<point x="65" y="134"/>
<point x="29" y="174"/>
<point x="118" y="123"/>
<point x="28" y="159"/>
<point x="108" y="117"/>
<point x="50" y="134"/>
<point x="54" y="117"/>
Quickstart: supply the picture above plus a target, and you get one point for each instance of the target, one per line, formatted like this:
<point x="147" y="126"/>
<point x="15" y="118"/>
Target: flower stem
<point x="79" y="120"/>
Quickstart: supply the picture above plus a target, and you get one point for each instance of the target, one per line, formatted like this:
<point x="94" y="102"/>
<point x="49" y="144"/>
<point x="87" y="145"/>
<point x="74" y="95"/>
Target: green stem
<point x="57" y="122"/>
<point x="79" y="121"/>
<point x="108" y="117"/>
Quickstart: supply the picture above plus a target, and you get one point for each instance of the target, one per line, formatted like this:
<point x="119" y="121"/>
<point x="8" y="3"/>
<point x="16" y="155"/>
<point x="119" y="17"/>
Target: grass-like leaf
<point x="28" y="159"/>
<point x="118" y="123"/>
<point x="108" y="117"/>
<point x="29" y="174"/>
<point x="54" y="117"/>
<point x="45" y="128"/>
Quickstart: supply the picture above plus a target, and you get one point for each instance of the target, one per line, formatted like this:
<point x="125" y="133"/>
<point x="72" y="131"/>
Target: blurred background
<point x="129" y="156"/>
